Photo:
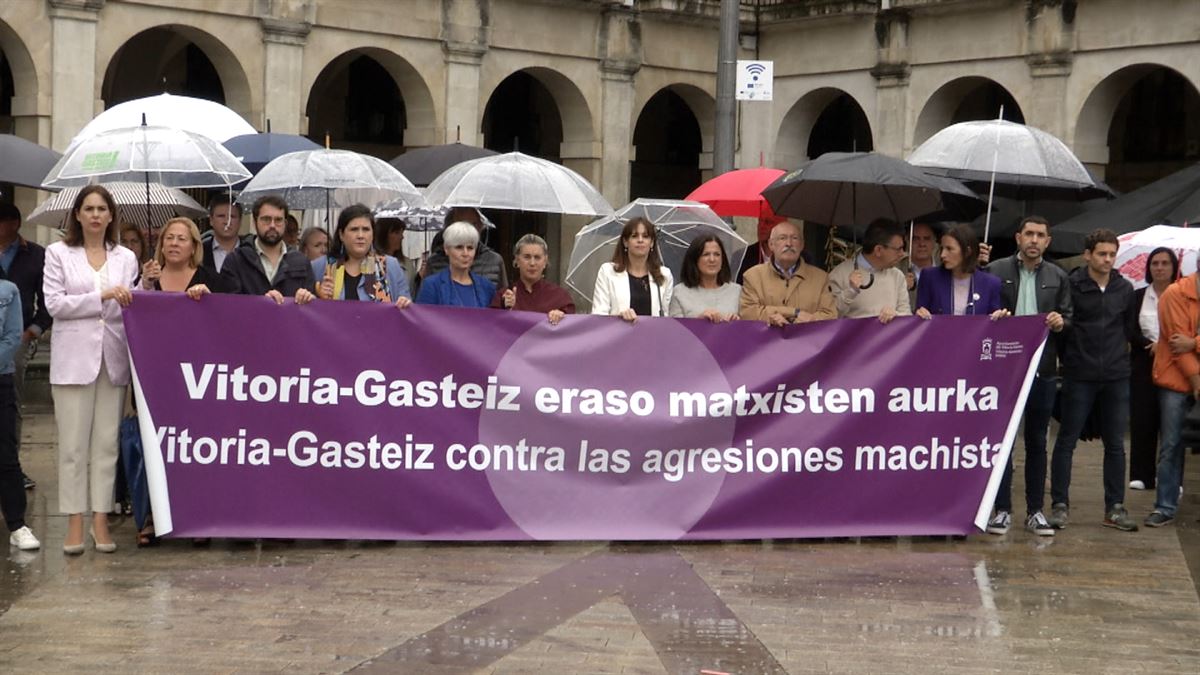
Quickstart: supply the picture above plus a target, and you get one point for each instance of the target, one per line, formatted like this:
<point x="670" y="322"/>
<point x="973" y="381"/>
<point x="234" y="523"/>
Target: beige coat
<point x="766" y="292"/>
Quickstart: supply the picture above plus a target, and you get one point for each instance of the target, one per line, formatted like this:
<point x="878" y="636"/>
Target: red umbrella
<point x="739" y="193"/>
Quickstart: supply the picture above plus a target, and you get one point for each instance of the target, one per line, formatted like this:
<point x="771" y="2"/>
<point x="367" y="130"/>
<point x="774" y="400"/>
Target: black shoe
<point x="1158" y="519"/>
<point x="29" y="482"/>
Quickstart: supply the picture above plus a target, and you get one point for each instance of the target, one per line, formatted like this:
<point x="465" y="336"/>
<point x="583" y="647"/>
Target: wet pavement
<point x="1090" y="600"/>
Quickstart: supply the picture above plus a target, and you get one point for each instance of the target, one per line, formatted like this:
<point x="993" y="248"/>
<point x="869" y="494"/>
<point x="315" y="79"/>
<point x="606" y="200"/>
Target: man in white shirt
<point x="225" y="217"/>
<point x="869" y="284"/>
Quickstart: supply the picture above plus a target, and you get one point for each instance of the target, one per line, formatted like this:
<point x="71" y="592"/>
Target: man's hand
<point x="911" y="280"/>
<point x="1182" y="344"/>
<point x="856" y="280"/>
<point x="275" y="295"/>
<point x="887" y="315"/>
<point x="304" y="296"/>
<point x="985" y="254"/>
<point x="28" y="336"/>
<point x="804" y="317"/>
<point x="1055" y="321"/>
<point x="778" y="320"/>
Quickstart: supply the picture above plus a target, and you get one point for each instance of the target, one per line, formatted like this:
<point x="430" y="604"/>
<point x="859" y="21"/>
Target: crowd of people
<point x="1105" y="337"/>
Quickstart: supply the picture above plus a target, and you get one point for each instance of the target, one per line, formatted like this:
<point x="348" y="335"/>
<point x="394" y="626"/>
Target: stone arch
<point x="672" y="138"/>
<point x="1101" y="130"/>
<point x="174" y="42"/>
<point x="814" y="111"/>
<point x="962" y="100"/>
<point x="415" y="115"/>
<point x="575" y="115"/>
<point x="24" y="73"/>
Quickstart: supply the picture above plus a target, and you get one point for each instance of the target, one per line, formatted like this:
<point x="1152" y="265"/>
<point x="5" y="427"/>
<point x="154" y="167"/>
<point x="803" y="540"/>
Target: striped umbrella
<point x="165" y="203"/>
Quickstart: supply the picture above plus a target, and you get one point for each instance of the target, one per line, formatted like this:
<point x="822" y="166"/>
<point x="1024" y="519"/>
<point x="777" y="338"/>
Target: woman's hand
<point x="151" y="271"/>
<point x="119" y="293"/>
<point x="924" y="313"/>
<point x="304" y="296"/>
<point x="713" y="315"/>
<point x="403" y="302"/>
<point x="325" y="289"/>
<point x="510" y="298"/>
<point x="629" y="315"/>
<point x="197" y="291"/>
<point x="555" y="315"/>
<point x="1000" y="314"/>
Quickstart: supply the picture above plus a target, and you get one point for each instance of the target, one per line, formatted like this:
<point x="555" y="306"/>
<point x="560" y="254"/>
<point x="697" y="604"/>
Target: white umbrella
<point x="421" y="218"/>
<point x="677" y="223"/>
<point x="197" y="115"/>
<point x="165" y="203"/>
<point x="517" y="182"/>
<point x="147" y="154"/>
<point x="329" y="179"/>
<point x="1134" y="252"/>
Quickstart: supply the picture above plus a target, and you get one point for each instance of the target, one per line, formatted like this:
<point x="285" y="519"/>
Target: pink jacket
<point x="83" y="326"/>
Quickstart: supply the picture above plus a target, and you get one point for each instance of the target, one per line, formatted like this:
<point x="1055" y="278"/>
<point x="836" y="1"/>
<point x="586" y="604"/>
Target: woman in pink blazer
<point x="86" y="282"/>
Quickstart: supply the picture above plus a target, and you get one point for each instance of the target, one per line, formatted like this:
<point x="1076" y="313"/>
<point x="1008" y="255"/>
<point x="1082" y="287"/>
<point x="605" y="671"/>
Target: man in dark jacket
<point x="1030" y="285"/>
<point x="1095" y="359"/>
<point x="264" y="266"/>
<point x="21" y="262"/>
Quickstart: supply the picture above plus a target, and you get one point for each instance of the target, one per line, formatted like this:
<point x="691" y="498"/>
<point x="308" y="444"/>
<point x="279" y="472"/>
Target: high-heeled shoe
<point x="102" y="548"/>
<point x="72" y="549"/>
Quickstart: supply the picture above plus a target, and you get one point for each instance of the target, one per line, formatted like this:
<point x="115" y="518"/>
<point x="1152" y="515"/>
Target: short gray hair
<point x="460" y="234"/>
<point x="531" y="239"/>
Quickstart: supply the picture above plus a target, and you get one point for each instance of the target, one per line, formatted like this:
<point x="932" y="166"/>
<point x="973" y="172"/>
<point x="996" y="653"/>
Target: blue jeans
<point x="1038" y="408"/>
<point x="1111" y="400"/>
<point x="1173" y="407"/>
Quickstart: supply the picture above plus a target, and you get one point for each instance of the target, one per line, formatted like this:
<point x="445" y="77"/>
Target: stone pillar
<point x="891" y="73"/>
<point x="621" y="56"/>
<point x="466" y="32"/>
<point x="73" y="54"/>
<point x="283" y="63"/>
<point x="1049" y="41"/>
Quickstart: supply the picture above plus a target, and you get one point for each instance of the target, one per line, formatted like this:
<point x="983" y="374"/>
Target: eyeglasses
<point x="268" y="220"/>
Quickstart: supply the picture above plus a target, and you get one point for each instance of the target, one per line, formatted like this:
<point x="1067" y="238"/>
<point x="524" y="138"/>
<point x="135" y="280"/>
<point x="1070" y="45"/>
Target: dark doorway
<point x="158" y="61"/>
<point x="357" y="102"/>
<point x="668" y="144"/>
<point x="841" y="127"/>
<point x="984" y="103"/>
<point x="1155" y="130"/>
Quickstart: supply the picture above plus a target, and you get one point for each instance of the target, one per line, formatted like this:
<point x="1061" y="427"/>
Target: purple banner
<point x="360" y="421"/>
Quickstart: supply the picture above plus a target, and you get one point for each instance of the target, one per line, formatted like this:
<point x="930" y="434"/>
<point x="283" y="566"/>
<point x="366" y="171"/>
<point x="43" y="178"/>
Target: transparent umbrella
<point x="164" y="203"/>
<point x="517" y="182"/>
<point x="197" y="115"/>
<point x="677" y="222"/>
<point x="331" y="179"/>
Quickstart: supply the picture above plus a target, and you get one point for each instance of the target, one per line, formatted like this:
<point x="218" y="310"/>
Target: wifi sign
<point x="754" y="80"/>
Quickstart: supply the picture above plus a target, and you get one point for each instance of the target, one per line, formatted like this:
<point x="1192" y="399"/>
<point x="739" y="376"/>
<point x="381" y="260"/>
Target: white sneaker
<point x="1137" y="485"/>
<point x="999" y="523"/>
<point x="24" y="540"/>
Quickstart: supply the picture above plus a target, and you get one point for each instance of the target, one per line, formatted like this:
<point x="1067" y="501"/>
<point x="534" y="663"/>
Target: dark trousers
<point x="12" y="486"/>
<point x="1143" y="419"/>
<point x="1038" y="408"/>
<point x="1111" y="400"/>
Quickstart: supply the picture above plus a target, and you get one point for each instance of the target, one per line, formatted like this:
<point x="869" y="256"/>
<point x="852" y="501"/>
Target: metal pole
<point x="726" y="105"/>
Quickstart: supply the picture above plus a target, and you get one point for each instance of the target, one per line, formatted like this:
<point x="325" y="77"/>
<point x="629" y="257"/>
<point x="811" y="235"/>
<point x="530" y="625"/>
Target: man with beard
<point x="785" y="289"/>
<point x="264" y="266"/>
<point x="1030" y="285"/>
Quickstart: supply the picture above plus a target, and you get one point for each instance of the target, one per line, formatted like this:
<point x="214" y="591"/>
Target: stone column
<point x="620" y="47"/>
<point x="73" y="54"/>
<point x="1049" y="40"/>
<point x="283" y="63"/>
<point x="891" y="73"/>
<point x="463" y="114"/>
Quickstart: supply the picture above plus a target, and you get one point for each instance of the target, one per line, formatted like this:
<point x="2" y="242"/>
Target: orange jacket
<point x="1178" y="312"/>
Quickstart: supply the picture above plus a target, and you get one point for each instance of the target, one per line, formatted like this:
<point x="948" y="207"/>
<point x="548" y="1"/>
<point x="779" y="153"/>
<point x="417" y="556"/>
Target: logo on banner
<point x="985" y="351"/>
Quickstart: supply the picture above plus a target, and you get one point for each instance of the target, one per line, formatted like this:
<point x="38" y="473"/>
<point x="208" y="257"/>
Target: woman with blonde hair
<point x="178" y="259"/>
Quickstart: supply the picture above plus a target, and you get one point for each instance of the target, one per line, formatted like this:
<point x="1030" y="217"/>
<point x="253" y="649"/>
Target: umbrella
<point x="257" y="150"/>
<point x="165" y="203"/>
<point x="197" y="115"/>
<point x="25" y="163"/>
<point x="420" y="218"/>
<point x="1174" y="199"/>
<point x="328" y="179"/>
<point x="1028" y="163"/>
<point x="1135" y="250"/>
<point x="738" y="193"/>
<point x="856" y="188"/>
<point x="148" y="154"/>
<point x="517" y="182"/>
<point x="423" y="165"/>
<point x="678" y="222"/>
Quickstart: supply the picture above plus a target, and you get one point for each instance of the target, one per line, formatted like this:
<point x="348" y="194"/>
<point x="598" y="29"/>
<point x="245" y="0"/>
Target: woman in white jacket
<point x="635" y="283"/>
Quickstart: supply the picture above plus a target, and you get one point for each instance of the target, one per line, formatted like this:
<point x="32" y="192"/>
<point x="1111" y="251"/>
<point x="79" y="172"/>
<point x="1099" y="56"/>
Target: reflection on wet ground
<point x="1091" y="600"/>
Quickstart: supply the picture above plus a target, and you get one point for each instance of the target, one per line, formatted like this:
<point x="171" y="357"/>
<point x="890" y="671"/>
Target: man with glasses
<point x="785" y="289"/>
<point x="264" y="265"/>
<point x="869" y="284"/>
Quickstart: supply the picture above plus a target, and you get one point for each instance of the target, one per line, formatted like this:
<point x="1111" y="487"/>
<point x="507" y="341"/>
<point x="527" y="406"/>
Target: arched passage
<point x="522" y="115"/>
<point x="176" y="59"/>
<point x="669" y="139"/>
<point x="823" y="120"/>
<point x="964" y="100"/>
<point x="1139" y="124"/>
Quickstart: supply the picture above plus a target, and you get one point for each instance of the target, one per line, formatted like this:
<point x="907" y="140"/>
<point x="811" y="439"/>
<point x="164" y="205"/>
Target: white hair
<point x="460" y="234"/>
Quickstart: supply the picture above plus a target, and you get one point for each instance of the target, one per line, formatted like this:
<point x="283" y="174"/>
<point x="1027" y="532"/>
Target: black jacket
<point x="1053" y="295"/>
<point x="26" y="273"/>
<point x="243" y="273"/>
<point x="1096" y="345"/>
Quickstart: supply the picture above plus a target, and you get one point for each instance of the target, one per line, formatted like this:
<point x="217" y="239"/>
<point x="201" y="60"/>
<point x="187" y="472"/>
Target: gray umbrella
<point x="423" y="165"/>
<point x="25" y="163"/>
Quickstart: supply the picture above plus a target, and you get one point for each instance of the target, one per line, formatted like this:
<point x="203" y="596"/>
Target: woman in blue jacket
<point x="959" y="287"/>
<point x="457" y="285"/>
<point x="356" y="272"/>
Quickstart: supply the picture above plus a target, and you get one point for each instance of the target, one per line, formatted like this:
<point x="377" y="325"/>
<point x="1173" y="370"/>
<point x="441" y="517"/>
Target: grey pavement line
<point x="680" y="615"/>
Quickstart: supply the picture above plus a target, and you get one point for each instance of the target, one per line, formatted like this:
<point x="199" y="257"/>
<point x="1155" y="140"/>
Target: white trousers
<point x="87" y="416"/>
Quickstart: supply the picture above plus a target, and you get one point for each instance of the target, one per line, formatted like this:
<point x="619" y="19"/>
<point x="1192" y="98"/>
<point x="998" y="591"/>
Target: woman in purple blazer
<point x="959" y="287"/>
<point x="86" y="283"/>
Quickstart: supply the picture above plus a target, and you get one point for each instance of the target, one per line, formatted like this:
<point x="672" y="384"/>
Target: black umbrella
<point x="854" y="188"/>
<point x="255" y="151"/>
<point x="25" y="163"/>
<point x="1173" y="200"/>
<point x="423" y="165"/>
